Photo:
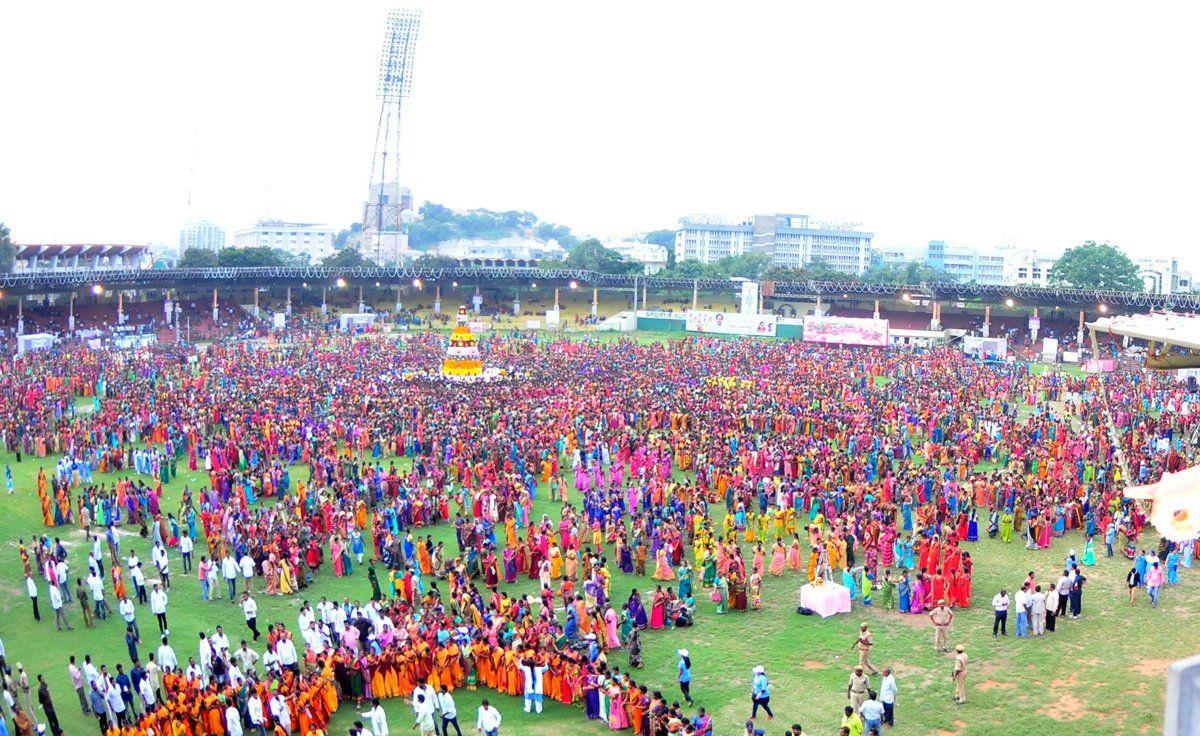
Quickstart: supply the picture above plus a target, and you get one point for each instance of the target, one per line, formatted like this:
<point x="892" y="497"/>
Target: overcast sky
<point x="1039" y="124"/>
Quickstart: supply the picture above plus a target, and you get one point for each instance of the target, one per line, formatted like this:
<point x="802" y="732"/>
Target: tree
<point x="913" y="272"/>
<point x="432" y="260"/>
<point x="1096" y="266"/>
<point x="244" y="257"/>
<point x="346" y="258"/>
<point x="592" y="256"/>
<point x="8" y="251"/>
<point x="197" y="258"/>
<point x="343" y="236"/>
<point x="665" y="238"/>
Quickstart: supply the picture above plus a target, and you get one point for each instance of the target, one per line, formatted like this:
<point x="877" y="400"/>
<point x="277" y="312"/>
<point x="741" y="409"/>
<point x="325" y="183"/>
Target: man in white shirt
<point x="488" y="720"/>
<point x="247" y="566"/>
<point x="129" y="614"/>
<point x="246" y="658"/>
<point x="1022" y="605"/>
<point x="230" y="571"/>
<point x="315" y="639"/>
<point x="60" y="615"/>
<point x="166" y="657"/>
<point x="219" y="641"/>
<point x="233" y="720"/>
<point x="96" y="584"/>
<point x="287" y="655"/>
<point x="158" y="606"/>
<point x="146" y="691"/>
<point x="254" y="713"/>
<point x="186" y="545"/>
<point x="445" y="703"/>
<point x="1000" y="606"/>
<point x="250" y="609"/>
<point x="304" y="617"/>
<point x="159" y="556"/>
<point x="378" y="719"/>
<point x="139" y="583"/>
<point x="31" y="589"/>
<point x="280" y="713"/>
<point x="887" y="696"/>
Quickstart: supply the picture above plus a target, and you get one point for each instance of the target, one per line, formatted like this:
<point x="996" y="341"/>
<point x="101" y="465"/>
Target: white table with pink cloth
<point x="825" y="600"/>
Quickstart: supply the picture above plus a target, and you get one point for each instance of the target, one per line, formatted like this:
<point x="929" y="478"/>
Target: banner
<point x="846" y="331"/>
<point x="749" y="304"/>
<point x="988" y="348"/>
<point x="1049" y="349"/>
<point x="730" y="323"/>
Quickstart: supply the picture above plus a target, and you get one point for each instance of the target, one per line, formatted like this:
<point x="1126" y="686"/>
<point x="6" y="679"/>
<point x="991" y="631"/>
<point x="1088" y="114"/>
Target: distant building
<point x="791" y="241"/>
<point x="202" y="235"/>
<point x="43" y="257"/>
<point x="501" y="251"/>
<point x="296" y="238"/>
<point x="966" y="264"/>
<point x="1163" y="276"/>
<point x="1028" y="267"/>
<point x="653" y="258"/>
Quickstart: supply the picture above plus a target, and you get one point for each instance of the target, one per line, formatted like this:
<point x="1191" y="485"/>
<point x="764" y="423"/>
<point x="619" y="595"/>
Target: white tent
<point x="1182" y="330"/>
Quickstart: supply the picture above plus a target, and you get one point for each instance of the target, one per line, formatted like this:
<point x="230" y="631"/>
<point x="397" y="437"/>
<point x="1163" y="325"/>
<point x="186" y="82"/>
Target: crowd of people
<point x="715" y="466"/>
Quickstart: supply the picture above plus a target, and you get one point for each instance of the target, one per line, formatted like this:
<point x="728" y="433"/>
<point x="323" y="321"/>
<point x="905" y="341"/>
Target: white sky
<point x="1039" y="124"/>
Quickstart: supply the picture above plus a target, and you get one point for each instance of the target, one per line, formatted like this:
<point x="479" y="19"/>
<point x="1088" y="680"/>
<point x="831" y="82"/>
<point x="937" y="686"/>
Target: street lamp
<point x="574" y="284"/>
<point x="1008" y="302"/>
<point x="341" y="282"/>
<point x="1103" y="309"/>
<point x="97" y="289"/>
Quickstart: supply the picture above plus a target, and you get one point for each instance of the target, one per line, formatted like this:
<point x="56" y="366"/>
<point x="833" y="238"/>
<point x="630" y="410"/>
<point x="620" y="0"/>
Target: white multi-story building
<point x="298" y="239"/>
<point x="202" y="235"/>
<point x="1028" y="267"/>
<point x="653" y="258"/>
<point x="514" y="248"/>
<point x="791" y="241"/>
<point x="966" y="264"/>
<point x="1163" y="275"/>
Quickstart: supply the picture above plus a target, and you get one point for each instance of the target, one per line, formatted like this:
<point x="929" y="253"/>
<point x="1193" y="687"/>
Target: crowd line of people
<point x="714" y="466"/>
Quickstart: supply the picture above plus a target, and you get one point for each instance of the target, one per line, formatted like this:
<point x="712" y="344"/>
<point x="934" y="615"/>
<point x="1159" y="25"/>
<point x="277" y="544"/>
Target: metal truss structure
<point x="226" y="277"/>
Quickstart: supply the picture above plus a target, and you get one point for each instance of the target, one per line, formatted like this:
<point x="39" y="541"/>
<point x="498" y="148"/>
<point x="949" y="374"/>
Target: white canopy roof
<point x="1169" y="328"/>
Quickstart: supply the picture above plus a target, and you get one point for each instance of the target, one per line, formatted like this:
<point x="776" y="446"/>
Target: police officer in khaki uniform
<point x="864" y="642"/>
<point x="941" y="616"/>
<point x="960" y="675"/>
<point x="856" y="689"/>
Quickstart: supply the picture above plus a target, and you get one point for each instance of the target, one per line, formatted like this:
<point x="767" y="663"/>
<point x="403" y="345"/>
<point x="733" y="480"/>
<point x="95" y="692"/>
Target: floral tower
<point x="462" y="357"/>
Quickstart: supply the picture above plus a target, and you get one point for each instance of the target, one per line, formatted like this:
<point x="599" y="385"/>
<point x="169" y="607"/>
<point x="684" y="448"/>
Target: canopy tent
<point x="1167" y="329"/>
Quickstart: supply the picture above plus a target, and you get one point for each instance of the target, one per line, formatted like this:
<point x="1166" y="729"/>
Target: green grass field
<point x="1104" y="673"/>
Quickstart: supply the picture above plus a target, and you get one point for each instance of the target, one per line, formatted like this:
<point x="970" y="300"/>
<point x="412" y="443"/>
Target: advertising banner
<point x="846" y="331"/>
<point x="1049" y="349"/>
<point x="730" y="323"/>
<point x="988" y="348"/>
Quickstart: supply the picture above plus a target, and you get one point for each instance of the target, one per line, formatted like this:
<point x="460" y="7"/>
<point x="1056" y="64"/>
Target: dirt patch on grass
<point x="1151" y="667"/>
<point x="1066" y="707"/>
<point x="812" y="664"/>
<point x="987" y="685"/>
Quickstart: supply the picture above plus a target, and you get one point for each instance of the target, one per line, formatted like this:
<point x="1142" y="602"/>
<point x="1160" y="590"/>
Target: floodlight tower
<point x="388" y="206"/>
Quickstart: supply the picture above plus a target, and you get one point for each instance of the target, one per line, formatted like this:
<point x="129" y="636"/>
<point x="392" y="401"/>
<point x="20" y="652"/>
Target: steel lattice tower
<point x="384" y="234"/>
